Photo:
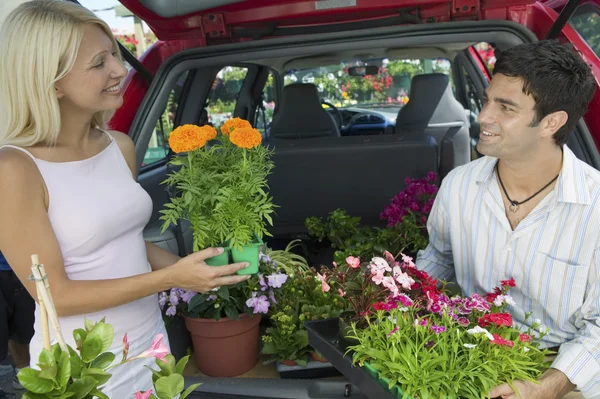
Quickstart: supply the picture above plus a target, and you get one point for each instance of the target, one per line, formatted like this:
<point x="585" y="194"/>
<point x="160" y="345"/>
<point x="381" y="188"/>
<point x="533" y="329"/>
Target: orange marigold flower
<point x="246" y="137"/>
<point x="230" y="125"/>
<point x="187" y="138"/>
<point x="209" y="132"/>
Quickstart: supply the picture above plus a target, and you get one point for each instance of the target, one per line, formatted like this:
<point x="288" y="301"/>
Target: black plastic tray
<point x="323" y="337"/>
<point x="311" y="370"/>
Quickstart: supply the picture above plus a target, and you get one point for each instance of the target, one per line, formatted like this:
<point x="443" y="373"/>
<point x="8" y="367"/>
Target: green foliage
<point x="168" y="380"/>
<point x="288" y="261"/>
<point x="351" y="239"/>
<point x="71" y="375"/>
<point x="588" y="26"/>
<point x="284" y="341"/>
<point x="453" y="364"/>
<point x="222" y="192"/>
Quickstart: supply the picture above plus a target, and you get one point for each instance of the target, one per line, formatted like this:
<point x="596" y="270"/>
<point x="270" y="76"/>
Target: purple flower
<point x="414" y="207"/>
<point x="188" y="295"/>
<point x="276" y="280"/>
<point x="162" y="300"/>
<point x="436" y="307"/>
<point x="423" y="322"/>
<point x="174" y="300"/>
<point x="432" y="176"/>
<point x="404" y="300"/>
<point x="463" y="321"/>
<point x="265" y="258"/>
<point x="272" y="297"/>
<point x="429" y="344"/>
<point x="258" y="304"/>
<point x="393" y="331"/>
<point x="171" y="311"/>
<point x="263" y="284"/>
<point x="211" y="298"/>
<point x="438" y="329"/>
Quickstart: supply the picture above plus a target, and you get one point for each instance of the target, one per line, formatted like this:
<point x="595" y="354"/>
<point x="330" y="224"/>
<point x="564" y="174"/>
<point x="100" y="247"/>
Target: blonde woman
<point x="68" y="187"/>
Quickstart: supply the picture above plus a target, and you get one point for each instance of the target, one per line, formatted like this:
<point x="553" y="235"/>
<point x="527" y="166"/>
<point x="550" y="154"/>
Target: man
<point x="16" y="319"/>
<point x="529" y="209"/>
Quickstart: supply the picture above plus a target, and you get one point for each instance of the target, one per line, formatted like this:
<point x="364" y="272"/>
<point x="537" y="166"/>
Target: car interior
<point x="335" y="157"/>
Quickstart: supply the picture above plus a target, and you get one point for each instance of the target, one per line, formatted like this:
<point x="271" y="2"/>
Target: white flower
<point x="469" y="346"/>
<point x="501" y="299"/>
<point x="480" y="330"/>
<point x="526" y="349"/>
<point x="537" y="321"/>
<point x="404" y="309"/>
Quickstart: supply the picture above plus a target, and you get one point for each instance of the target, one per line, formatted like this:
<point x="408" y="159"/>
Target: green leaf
<point x="223" y="293"/>
<point x="64" y="371"/>
<point x="82" y="387"/>
<point x="31" y="381"/>
<point x="99" y="375"/>
<point x="76" y="363"/>
<point x="47" y="365"/>
<point x="92" y="346"/>
<point x="79" y="335"/>
<point x="167" y="367"/>
<point x="98" y="394"/>
<point x="181" y="364"/>
<point x="103" y="361"/>
<point x="106" y="334"/>
<point x="169" y="387"/>
<point x="189" y="390"/>
<point x="31" y="395"/>
<point x="88" y="325"/>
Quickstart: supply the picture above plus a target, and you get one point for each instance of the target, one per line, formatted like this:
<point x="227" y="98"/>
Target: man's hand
<point x="524" y="390"/>
<point x="554" y="384"/>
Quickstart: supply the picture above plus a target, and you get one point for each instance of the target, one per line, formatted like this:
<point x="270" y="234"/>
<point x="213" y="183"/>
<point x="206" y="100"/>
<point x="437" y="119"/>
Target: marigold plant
<point x="235" y="123"/>
<point x="245" y="137"/>
<point x="187" y="138"/>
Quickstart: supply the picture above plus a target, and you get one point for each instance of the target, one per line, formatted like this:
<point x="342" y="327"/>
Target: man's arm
<point x="437" y="259"/>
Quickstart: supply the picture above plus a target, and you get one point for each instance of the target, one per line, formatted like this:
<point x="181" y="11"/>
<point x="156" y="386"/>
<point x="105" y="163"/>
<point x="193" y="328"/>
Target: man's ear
<point x="552" y="122"/>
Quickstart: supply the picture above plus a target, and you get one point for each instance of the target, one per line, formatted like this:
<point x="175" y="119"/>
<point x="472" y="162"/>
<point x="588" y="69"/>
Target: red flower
<point x="508" y="283"/>
<point x="491" y="297"/>
<point x="525" y="337"/>
<point x="498" y="340"/>
<point x="498" y="319"/>
<point x="385" y="305"/>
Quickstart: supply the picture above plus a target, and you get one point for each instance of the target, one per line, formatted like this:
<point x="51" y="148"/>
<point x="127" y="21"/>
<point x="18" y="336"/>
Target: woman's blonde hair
<point x="39" y="42"/>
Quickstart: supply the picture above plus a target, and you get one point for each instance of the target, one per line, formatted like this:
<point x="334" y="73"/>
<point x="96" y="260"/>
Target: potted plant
<point x="433" y="345"/>
<point x="224" y="323"/>
<point x="221" y="189"/>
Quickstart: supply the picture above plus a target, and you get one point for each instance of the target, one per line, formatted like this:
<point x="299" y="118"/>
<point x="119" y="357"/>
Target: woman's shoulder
<point x="18" y="172"/>
<point x="125" y="144"/>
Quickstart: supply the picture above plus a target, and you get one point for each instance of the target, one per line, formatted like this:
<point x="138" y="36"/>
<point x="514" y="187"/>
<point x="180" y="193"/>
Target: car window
<point x="586" y="21"/>
<point x="386" y="85"/>
<point x="264" y="113"/>
<point x="158" y="147"/>
<point x="224" y="93"/>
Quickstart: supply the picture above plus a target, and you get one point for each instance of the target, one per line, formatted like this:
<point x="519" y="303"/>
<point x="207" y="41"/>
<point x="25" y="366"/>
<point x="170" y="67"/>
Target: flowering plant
<point x="422" y="343"/>
<point x="82" y="373"/>
<point x="253" y="296"/>
<point x="221" y="184"/>
<point x="415" y="199"/>
<point x="365" y="285"/>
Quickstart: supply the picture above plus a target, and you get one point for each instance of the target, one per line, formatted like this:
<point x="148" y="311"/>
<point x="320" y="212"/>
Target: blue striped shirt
<point x="553" y="255"/>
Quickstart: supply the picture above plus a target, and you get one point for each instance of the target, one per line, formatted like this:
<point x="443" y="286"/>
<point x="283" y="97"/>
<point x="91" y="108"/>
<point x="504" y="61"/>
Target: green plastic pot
<point x="248" y="253"/>
<point x="219" y="260"/>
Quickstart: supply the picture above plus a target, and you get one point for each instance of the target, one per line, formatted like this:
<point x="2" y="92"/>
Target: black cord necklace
<point x="514" y="205"/>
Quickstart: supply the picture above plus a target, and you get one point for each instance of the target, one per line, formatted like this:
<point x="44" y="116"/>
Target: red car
<point x="221" y="58"/>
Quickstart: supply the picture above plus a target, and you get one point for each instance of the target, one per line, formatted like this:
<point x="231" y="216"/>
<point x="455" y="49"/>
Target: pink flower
<point x="438" y="329"/>
<point x="389" y="257"/>
<point x="404" y="300"/>
<point x="125" y="346"/>
<point x="353" y="262"/>
<point x="145" y="395"/>
<point x="402" y="278"/>
<point x="377" y="276"/>
<point x="408" y="261"/>
<point x="342" y="292"/>
<point x="390" y="284"/>
<point x="157" y="349"/>
<point x="380" y="264"/>
<point x="525" y="338"/>
<point x="324" y="286"/>
<point x="393" y="331"/>
<point x="463" y="321"/>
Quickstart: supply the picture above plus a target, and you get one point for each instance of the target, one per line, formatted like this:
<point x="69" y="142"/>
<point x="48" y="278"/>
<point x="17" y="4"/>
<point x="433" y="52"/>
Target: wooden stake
<point x="48" y="311"/>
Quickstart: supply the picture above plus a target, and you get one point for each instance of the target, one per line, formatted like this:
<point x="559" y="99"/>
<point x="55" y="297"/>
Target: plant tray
<point x="323" y="337"/>
<point x="311" y="370"/>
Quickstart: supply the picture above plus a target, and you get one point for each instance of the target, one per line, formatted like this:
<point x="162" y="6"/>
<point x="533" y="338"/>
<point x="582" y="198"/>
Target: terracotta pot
<point x="318" y="357"/>
<point x="289" y="362"/>
<point x="227" y="347"/>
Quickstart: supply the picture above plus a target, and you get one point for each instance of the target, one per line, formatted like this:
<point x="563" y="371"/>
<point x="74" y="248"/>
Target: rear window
<point x="586" y="22"/>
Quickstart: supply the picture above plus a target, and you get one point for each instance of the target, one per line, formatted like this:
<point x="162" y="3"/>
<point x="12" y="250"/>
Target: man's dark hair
<point x="555" y="75"/>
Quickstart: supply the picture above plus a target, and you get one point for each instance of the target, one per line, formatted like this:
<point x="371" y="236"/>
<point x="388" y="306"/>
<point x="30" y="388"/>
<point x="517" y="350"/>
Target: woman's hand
<point x="193" y="274"/>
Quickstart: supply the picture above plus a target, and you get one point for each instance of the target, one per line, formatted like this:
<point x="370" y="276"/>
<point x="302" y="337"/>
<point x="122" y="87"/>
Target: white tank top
<point x="98" y="213"/>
